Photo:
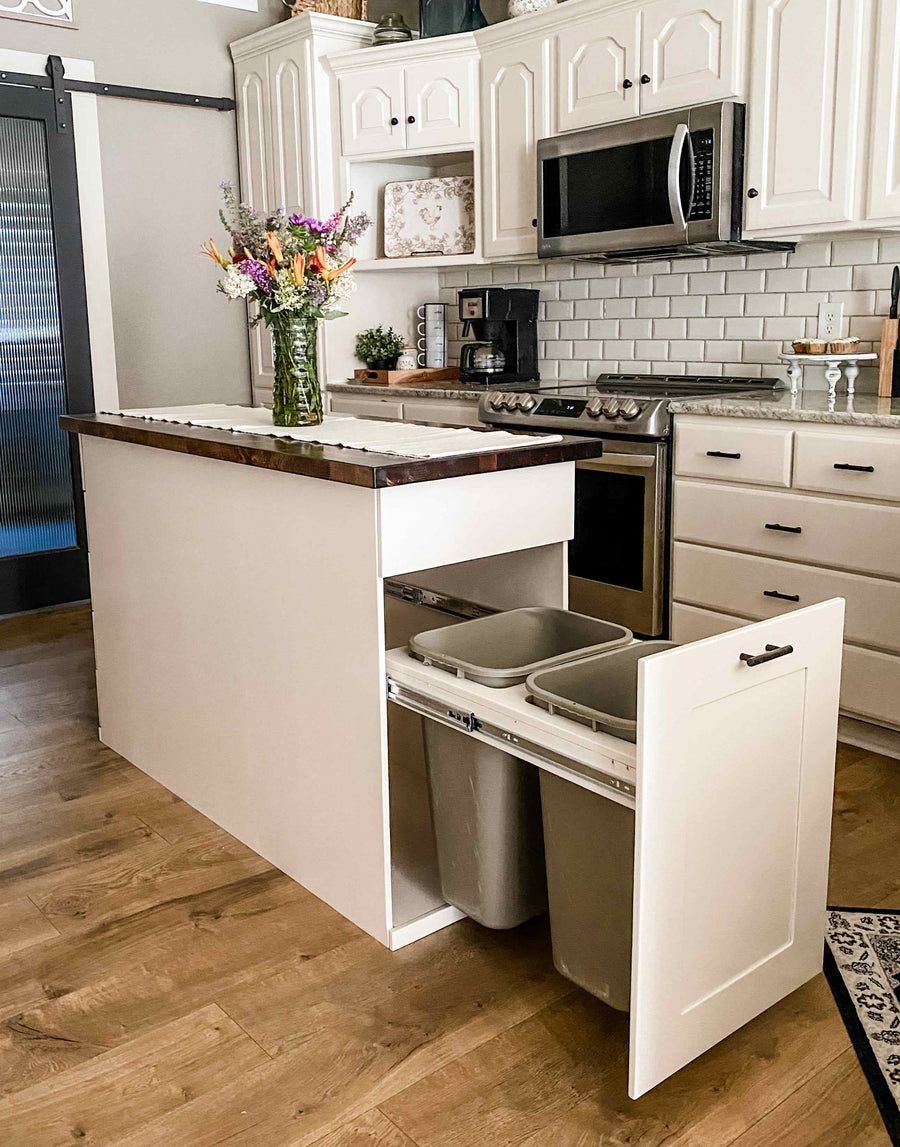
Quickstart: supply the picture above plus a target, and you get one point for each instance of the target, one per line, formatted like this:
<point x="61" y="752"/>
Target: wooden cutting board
<point x="423" y="376"/>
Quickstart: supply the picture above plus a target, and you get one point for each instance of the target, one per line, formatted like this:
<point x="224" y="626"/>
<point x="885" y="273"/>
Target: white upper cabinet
<point x="597" y="70"/>
<point x="372" y="111"/>
<point x="515" y="111"/>
<point x="805" y="92"/>
<point x="690" y="52"/>
<point x="884" y="156"/>
<point x="440" y="103"/>
<point x="290" y="166"/>
<point x="251" y="83"/>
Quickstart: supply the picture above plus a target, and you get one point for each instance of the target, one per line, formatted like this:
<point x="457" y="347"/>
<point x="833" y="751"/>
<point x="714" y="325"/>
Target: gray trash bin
<point x="588" y="838"/>
<point x="485" y="802"/>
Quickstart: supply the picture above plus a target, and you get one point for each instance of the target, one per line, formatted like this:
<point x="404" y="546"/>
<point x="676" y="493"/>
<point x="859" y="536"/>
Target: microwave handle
<point x="680" y="140"/>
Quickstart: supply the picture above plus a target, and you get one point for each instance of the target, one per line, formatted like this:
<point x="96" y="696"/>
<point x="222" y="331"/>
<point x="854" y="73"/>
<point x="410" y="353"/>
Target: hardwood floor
<point x="160" y="984"/>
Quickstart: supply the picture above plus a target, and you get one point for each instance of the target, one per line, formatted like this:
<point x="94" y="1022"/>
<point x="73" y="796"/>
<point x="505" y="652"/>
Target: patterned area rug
<point x="862" y="964"/>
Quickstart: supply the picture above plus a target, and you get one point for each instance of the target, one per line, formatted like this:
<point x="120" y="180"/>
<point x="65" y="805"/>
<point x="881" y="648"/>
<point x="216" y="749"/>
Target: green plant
<point x="378" y="345"/>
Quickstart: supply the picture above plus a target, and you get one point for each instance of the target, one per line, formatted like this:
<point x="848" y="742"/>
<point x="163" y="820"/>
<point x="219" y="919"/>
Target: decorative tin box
<point x="430" y="217"/>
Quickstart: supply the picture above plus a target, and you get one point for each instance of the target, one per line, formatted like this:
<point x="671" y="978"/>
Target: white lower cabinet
<point x="744" y="551"/>
<point x="435" y="411"/>
<point x="735" y="745"/>
<point x="364" y="406"/>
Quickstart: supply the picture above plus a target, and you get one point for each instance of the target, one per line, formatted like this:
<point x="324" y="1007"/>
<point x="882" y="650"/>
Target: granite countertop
<point x="807" y="406"/>
<point x="330" y="463"/>
<point x="452" y="391"/>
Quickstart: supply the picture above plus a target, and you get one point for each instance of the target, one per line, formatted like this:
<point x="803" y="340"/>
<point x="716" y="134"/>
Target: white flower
<point x="237" y="285"/>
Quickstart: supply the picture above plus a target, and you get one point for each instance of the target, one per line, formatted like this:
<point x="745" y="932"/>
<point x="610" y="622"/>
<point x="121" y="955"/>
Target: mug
<point x="408" y="359"/>
<point x="432" y="332"/>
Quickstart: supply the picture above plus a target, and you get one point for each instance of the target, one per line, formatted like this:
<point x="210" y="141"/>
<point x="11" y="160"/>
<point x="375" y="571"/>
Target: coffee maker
<point x="503" y="323"/>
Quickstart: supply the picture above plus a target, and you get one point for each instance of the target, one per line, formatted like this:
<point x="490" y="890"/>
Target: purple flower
<point x="259" y="273"/>
<point x="314" y="225"/>
<point x="316" y="292"/>
<point x="357" y="225"/>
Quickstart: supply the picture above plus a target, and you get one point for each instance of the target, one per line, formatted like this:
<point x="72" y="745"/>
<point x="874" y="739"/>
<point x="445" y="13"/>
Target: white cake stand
<point x="836" y="366"/>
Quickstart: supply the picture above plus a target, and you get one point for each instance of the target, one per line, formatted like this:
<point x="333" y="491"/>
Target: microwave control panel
<point x="703" y="143"/>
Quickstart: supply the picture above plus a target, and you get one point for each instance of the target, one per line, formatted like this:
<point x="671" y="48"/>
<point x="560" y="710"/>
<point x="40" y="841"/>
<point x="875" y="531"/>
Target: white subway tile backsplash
<point x="728" y="315"/>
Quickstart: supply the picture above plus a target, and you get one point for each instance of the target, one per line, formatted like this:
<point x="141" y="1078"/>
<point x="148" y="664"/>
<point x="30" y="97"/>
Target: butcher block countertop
<point x="329" y="463"/>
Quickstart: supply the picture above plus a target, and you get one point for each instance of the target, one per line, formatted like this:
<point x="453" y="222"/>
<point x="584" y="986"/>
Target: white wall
<point x="176" y="339"/>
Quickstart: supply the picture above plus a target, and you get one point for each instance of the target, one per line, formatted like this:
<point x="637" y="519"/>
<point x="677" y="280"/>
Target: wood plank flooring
<point x="160" y="984"/>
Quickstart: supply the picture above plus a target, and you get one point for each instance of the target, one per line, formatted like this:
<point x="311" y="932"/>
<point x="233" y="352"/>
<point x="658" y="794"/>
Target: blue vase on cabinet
<point x="446" y="17"/>
<point x="474" y="18"/>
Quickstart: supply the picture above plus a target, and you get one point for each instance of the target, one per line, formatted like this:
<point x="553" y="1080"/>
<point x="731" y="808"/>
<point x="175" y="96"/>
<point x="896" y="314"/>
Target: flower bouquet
<point x="297" y="270"/>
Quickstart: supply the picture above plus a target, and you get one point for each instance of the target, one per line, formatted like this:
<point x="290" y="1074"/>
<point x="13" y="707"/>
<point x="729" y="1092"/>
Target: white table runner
<point x="405" y="439"/>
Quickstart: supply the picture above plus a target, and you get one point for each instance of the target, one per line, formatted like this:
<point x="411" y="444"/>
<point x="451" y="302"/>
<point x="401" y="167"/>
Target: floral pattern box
<point x="430" y="217"/>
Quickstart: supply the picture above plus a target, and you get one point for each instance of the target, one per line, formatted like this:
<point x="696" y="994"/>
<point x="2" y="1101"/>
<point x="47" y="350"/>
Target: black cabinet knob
<point x="534" y="222"/>
<point x="645" y="79"/>
<point x="410" y="119"/>
<point x="752" y="193"/>
<point x="626" y="84"/>
<point x="394" y="121"/>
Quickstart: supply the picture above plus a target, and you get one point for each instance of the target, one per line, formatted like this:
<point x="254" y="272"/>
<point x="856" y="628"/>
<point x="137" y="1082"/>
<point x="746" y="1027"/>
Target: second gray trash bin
<point x="485" y="802"/>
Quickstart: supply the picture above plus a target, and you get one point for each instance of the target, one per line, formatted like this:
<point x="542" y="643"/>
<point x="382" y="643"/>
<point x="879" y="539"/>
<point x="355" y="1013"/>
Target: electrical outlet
<point x="831" y="321"/>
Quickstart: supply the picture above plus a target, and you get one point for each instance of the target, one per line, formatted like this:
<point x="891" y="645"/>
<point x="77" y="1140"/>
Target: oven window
<point x="614" y="189"/>
<point x="609" y="528"/>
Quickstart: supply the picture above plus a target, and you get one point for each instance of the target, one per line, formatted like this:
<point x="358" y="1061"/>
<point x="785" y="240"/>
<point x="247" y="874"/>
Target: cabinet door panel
<point x="514" y="110"/>
<point x="369" y="102"/>
<point x="804" y="104"/>
<point x="290" y="178"/>
<point x="730" y="755"/>
<point x="595" y="58"/>
<point x="251" y="81"/>
<point x="440" y="101"/>
<point x="689" y="49"/>
<point x="884" y="175"/>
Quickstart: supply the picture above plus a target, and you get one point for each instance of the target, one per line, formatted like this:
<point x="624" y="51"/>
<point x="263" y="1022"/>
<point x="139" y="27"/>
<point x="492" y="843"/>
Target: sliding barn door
<point x="45" y="366"/>
<point x="735" y="781"/>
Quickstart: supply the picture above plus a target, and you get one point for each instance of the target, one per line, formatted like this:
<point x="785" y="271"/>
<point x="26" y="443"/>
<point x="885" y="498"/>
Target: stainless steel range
<point x="618" y="559"/>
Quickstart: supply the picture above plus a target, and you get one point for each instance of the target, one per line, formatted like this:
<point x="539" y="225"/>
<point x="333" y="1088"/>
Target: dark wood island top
<point x="330" y="463"/>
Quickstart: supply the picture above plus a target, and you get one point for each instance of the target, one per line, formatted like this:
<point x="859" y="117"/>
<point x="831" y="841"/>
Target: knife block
<point x="890" y="338"/>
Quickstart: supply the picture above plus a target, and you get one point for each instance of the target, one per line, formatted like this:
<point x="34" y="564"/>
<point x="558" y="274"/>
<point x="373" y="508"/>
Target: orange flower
<point x="275" y="246"/>
<point x="298" y="268"/>
<point x="212" y="251"/>
<point x="330" y="276"/>
<point x="319" y="261"/>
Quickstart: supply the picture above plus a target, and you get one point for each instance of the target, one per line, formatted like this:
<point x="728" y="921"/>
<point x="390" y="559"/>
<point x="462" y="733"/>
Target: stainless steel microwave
<point x="652" y="186"/>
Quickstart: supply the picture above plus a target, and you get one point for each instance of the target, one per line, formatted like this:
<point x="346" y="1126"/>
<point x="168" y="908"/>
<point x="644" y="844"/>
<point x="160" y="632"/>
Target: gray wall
<point x="177" y="340"/>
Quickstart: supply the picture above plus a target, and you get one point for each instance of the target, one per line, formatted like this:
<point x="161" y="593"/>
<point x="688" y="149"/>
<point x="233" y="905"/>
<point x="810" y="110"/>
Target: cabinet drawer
<point x="845" y="534"/>
<point x="870" y="681"/>
<point x="710" y="449"/>
<point x="441" y="413"/>
<point x="364" y="407"/>
<point x="864" y="465"/>
<point x="739" y="583"/>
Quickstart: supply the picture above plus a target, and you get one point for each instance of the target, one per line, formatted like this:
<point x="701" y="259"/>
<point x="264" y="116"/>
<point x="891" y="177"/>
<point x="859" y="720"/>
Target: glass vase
<point x="473" y="17"/>
<point x="296" y="393"/>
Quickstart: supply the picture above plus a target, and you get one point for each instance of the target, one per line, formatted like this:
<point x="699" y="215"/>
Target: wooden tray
<point x="423" y="376"/>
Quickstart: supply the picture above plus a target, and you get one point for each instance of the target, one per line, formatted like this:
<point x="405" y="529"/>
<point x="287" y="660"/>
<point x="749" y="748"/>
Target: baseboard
<point x="424" y="926"/>
<point x="875" y="738"/>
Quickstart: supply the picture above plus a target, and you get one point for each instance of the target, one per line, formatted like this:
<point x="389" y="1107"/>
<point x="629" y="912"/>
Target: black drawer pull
<point x="784" y="529"/>
<point x="720" y="454"/>
<point x="781" y="596"/>
<point x="771" y="653"/>
<point x="850" y="466"/>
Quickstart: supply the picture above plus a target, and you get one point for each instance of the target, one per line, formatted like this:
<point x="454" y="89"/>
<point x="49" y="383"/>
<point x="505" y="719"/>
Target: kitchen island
<point x="240" y="623"/>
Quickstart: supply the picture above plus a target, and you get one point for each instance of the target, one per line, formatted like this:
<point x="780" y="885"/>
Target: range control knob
<point x="495" y="401"/>
<point x="526" y="403"/>
<point x="595" y="407"/>
<point x="611" y="407"/>
<point x="508" y="402"/>
<point x="630" y="409"/>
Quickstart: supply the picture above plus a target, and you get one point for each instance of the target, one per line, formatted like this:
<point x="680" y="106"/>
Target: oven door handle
<point x="611" y="461"/>
<point x="680" y="140"/>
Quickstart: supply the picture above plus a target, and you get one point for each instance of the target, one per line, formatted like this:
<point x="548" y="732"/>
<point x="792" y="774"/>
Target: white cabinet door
<point x="803" y="116"/>
<point x="251" y="82"/>
<point x="440" y="103"/>
<point x="690" y="52"/>
<point x="720" y="933"/>
<point x="514" y="115"/>
<point x="288" y="100"/>
<point x="372" y="113"/>
<point x="884" y="163"/>
<point x="597" y="70"/>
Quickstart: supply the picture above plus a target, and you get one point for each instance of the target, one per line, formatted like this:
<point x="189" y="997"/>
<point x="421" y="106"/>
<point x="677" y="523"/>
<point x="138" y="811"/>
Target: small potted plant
<point x="379" y="348"/>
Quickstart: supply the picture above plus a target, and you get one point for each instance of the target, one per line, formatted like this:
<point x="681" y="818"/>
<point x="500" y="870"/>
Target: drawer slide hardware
<point x="721" y="454"/>
<point x="856" y="469"/>
<point x="441" y="602"/>
<point x="784" y="529"/>
<point x="771" y="654"/>
<point x="781" y="596"/>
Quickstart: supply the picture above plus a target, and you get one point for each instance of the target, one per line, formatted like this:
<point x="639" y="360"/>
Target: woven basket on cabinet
<point x="352" y="9"/>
